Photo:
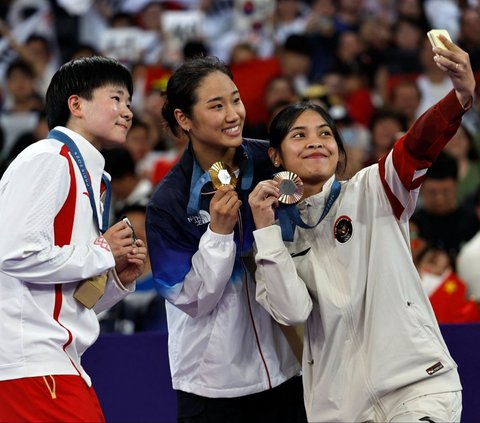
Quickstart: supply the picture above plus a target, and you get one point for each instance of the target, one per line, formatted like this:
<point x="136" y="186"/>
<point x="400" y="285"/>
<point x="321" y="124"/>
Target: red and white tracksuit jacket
<point x="370" y="329"/>
<point x="49" y="243"/>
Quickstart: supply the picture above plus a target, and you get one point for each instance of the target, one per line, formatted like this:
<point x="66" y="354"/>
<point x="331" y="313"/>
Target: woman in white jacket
<point x="372" y="349"/>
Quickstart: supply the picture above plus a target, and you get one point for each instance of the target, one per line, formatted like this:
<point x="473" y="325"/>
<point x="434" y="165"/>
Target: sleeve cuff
<point x="268" y="238"/>
<point x="128" y="288"/>
<point x="219" y="237"/>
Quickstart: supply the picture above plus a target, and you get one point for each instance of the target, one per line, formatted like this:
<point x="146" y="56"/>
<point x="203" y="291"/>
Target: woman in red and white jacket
<point x="373" y="350"/>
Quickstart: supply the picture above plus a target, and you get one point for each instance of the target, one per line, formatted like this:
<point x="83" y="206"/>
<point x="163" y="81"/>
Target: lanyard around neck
<point x="77" y="156"/>
<point x="289" y="216"/>
<point x="201" y="177"/>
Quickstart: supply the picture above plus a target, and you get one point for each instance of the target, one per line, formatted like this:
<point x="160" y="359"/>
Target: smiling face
<point x="310" y="150"/>
<point x="105" y="118"/>
<point x="216" y="122"/>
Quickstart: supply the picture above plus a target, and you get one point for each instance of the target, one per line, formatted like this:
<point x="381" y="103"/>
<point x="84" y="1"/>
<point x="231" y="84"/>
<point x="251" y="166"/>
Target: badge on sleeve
<point x="343" y="229"/>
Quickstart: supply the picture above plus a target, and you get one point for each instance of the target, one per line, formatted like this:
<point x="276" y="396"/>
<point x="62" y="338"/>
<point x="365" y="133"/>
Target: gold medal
<point x="290" y="186"/>
<point x="221" y="174"/>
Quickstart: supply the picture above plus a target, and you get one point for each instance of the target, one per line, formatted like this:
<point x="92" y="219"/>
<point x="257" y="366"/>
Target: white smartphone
<point x="434" y="40"/>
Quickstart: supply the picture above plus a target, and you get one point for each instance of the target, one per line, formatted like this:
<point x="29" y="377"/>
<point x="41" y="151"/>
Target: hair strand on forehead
<point x="183" y="84"/>
<point x="285" y="119"/>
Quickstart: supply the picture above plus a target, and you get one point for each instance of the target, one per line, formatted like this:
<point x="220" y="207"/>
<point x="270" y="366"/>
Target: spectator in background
<point x="405" y="99"/>
<point x="82" y="50"/>
<point x="447" y="292"/>
<point x="469" y="38"/>
<point x="401" y="59"/>
<point x="241" y="52"/>
<point x="294" y="56"/>
<point x="289" y="18"/>
<point x="278" y="91"/>
<point x="22" y="103"/>
<point x="385" y="126"/>
<point x="38" y="51"/>
<point x="462" y="148"/>
<point x="40" y="131"/>
<point x="321" y="29"/>
<point x="414" y="10"/>
<point x="40" y="54"/>
<point x="141" y="144"/>
<point x="432" y="82"/>
<point x="127" y="186"/>
<point x="441" y="221"/>
<point x="356" y="139"/>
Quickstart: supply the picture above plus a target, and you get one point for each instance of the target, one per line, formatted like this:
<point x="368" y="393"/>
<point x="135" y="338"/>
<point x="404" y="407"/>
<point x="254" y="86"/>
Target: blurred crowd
<point x="369" y="62"/>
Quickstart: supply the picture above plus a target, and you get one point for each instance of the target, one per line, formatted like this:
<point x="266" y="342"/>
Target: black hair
<point x="183" y="84"/>
<point x="298" y="43"/>
<point x="21" y="66"/>
<point x="284" y="120"/>
<point x="37" y="37"/>
<point x="194" y="48"/>
<point x="387" y="113"/>
<point x="443" y="167"/>
<point x="139" y="123"/>
<point x="118" y="162"/>
<point x="81" y="77"/>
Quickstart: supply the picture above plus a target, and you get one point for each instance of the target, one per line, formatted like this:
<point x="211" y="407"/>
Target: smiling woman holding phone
<point x="340" y="262"/>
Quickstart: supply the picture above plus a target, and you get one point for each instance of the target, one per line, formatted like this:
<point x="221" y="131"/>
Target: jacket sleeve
<point x="115" y="291"/>
<point x="31" y="195"/>
<point x="190" y="273"/>
<point x="403" y="169"/>
<point x="279" y="288"/>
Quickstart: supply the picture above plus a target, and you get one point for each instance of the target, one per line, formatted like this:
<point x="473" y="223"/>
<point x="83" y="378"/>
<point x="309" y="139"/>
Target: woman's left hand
<point x="263" y="201"/>
<point x="455" y="62"/>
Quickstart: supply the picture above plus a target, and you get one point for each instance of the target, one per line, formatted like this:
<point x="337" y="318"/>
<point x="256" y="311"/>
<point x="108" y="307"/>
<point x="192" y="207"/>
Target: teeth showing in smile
<point x="234" y="129"/>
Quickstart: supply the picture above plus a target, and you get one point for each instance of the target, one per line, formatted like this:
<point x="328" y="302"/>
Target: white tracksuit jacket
<point x="370" y="328"/>
<point x="49" y="243"/>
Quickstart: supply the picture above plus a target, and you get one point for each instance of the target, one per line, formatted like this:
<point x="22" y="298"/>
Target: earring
<point x="276" y="164"/>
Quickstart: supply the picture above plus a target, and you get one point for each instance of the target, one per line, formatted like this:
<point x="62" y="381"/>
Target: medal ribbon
<point x="289" y="216"/>
<point x="77" y="156"/>
<point x="201" y="177"/>
<point x="198" y="181"/>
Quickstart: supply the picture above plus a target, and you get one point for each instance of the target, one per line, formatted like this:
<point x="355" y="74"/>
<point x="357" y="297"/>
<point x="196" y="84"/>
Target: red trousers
<point x="58" y="398"/>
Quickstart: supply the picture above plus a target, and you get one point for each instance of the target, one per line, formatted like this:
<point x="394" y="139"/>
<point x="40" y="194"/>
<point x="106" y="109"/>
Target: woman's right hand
<point x="263" y="201"/>
<point x="224" y="209"/>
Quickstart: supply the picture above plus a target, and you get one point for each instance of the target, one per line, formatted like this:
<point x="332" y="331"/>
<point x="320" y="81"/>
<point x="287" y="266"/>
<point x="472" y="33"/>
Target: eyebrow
<point x="323" y="125"/>
<point x="219" y="98"/>
<point x="121" y="91"/>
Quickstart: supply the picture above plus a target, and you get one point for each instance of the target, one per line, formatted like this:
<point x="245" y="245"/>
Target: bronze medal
<point x="221" y="174"/>
<point x="290" y="186"/>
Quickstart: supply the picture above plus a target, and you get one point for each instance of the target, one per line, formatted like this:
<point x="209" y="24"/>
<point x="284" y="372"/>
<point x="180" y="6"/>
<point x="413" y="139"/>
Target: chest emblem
<point x="202" y="218"/>
<point x="343" y="229"/>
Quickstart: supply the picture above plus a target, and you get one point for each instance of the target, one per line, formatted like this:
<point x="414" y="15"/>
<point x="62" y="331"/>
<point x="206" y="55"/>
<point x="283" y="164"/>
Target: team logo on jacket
<point x="343" y="229"/>
<point x="202" y="218"/>
<point x="102" y="242"/>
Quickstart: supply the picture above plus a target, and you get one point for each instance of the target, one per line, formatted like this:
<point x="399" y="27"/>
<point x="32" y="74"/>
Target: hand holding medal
<point x="221" y="174"/>
<point x="225" y="204"/>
